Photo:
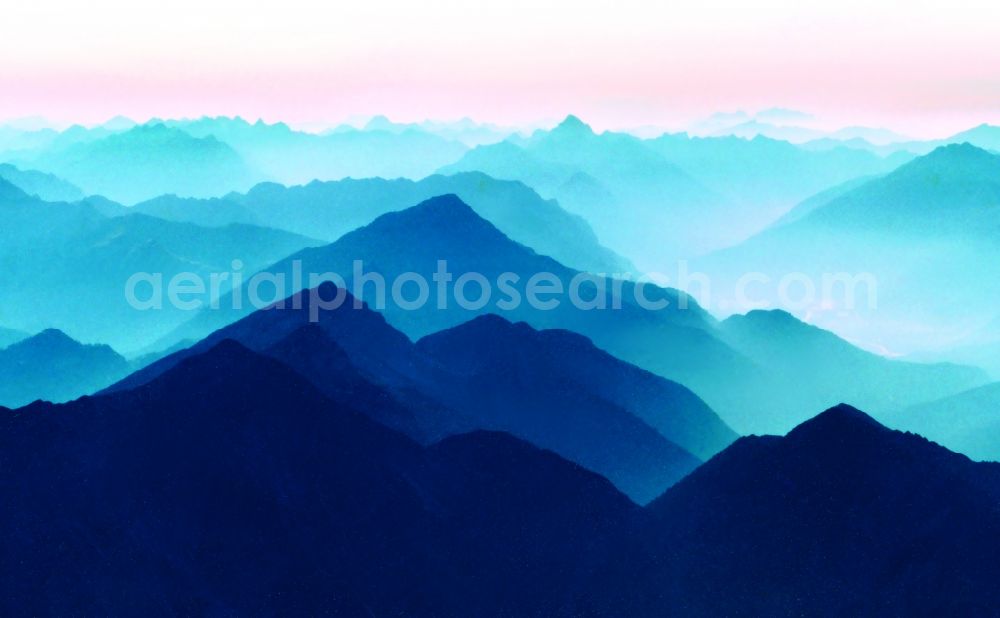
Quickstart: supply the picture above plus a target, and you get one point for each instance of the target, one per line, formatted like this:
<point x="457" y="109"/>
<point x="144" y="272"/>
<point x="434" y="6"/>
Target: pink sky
<point x="915" y="67"/>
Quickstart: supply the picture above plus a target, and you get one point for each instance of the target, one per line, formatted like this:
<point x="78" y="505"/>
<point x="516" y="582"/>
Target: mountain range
<point x="229" y="483"/>
<point x="448" y="394"/>
<point x="680" y="341"/>
<point x="671" y="197"/>
<point x="641" y="431"/>
<point x="67" y="265"/>
<point x="328" y="210"/>
<point x="288" y="156"/>
<point x="146" y="161"/>
<point x="41" y="185"/>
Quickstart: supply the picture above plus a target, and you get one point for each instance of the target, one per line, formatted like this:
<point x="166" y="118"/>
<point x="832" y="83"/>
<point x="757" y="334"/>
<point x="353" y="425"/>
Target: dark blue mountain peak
<point x="839" y="422"/>
<point x="225" y="358"/>
<point x="489" y="334"/>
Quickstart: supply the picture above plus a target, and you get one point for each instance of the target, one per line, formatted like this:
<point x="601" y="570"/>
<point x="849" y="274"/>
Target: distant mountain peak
<point x="443" y="212"/>
<point x="48" y="339"/>
<point x="380" y="122"/>
<point x="962" y="152"/>
<point x="53" y="334"/>
<point x="958" y="161"/>
<point x="119" y="123"/>
<point x="572" y="125"/>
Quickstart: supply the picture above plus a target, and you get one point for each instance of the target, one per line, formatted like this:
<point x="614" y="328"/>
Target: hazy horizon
<point x="910" y="68"/>
<point x="698" y="127"/>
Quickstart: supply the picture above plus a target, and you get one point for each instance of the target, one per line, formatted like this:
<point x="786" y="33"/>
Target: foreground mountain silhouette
<point x="552" y="388"/>
<point x="840" y="517"/>
<point x="230" y="484"/>
<point x="680" y="341"/>
<point x="53" y="367"/>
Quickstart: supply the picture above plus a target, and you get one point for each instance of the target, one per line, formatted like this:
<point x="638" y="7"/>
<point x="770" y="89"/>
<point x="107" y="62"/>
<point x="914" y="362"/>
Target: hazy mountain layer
<point x="147" y="161"/>
<point x="968" y="422"/>
<point x="328" y="210"/>
<point x="922" y="237"/>
<point x="67" y="267"/>
<point x="53" y="367"/>
<point x="672" y="197"/>
<point x="296" y="157"/>
<point x="806" y="365"/>
<point x="41" y="185"/>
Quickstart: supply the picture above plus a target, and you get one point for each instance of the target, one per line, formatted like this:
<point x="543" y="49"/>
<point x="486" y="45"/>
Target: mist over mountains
<point x="460" y="368"/>
<point x="926" y="232"/>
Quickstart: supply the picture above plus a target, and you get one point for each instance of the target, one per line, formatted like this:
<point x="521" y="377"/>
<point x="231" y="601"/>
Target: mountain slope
<point x="43" y="186"/>
<point x="53" y="367"/>
<point x="509" y="387"/>
<point x="9" y="336"/>
<point x="826" y="369"/>
<point x="210" y="212"/>
<point x="491" y="350"/>
<point x="968" y="422"/>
